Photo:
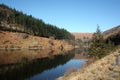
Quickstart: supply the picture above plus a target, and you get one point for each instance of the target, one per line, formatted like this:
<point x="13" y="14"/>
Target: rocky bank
<point x="107" y="68"/>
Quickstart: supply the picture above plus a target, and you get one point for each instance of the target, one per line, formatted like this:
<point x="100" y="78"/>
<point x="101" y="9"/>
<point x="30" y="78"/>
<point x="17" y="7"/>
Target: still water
<point x="37" y="65"/>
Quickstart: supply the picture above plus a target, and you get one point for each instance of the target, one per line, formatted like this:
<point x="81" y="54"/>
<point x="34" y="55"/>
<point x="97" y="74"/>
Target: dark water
<point x="13" y="66"/>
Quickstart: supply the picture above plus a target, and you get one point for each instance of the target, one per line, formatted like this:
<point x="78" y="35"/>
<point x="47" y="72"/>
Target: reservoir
<point x="38" y="65"/>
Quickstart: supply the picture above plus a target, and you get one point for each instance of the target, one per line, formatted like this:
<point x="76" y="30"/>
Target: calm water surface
<point x="32" y="65"/>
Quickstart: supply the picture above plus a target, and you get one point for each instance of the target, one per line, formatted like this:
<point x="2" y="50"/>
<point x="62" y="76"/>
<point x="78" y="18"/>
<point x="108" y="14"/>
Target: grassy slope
<point x="20" y="39"/>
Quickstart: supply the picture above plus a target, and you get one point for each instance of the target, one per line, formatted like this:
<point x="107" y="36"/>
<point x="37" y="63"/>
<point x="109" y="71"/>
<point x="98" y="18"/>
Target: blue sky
<point x="73" y="15"/>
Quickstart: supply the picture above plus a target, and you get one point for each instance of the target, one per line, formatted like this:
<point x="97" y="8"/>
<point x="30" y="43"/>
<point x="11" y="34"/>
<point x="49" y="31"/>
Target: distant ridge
<point x="81" y="35"/>
<point x="107" y="33"/>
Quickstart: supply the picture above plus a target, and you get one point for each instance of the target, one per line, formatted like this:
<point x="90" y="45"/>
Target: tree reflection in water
<point x="25" y="67"/>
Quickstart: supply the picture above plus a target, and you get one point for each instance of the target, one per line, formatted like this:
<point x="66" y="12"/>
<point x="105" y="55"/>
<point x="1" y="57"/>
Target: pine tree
<point x="97" y="47"/>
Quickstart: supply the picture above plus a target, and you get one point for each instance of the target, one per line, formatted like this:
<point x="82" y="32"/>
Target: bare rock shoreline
<point x="107" y="68"/>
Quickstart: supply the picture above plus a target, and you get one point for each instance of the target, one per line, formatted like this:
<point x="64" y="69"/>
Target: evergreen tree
<point x="97" y="48"/>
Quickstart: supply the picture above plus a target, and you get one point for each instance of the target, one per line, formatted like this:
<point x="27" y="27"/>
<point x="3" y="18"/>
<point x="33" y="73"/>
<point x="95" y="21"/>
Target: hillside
<point x="113" y="35"/>
<point x="14" y="40"/>
<point x="16" y="21"/>
<point x="22" y="31"/>
<point x="82" y="35"/>
<point x="112" y="31"/>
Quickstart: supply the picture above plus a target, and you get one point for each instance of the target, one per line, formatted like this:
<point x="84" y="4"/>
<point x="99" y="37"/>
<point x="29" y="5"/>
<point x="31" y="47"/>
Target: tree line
<point x="31" y="25"/>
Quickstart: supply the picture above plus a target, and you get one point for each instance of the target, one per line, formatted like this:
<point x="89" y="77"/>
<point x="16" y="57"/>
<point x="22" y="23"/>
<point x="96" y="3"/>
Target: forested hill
<point x="16" y="21"/>
<point x="113" y="35"/>
<point x="113" y="31"/>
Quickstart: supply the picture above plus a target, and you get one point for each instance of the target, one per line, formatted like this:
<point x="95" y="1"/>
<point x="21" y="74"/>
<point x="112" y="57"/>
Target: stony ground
<point x="107" y="68"/>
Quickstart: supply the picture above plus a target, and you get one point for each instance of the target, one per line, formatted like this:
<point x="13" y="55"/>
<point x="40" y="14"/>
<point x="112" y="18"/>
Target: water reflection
<point x="20" y="65"/>
<point x="21" y="56"/>
<point x="60" y="70"/>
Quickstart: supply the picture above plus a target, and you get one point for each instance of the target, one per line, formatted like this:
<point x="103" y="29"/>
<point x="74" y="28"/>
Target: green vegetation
<point x="114" y="38"/>
<point x="99" y="47"/>
<point x="20" y="22"/>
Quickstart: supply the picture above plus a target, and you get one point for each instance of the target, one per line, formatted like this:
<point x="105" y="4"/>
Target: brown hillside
<point x="13" y="40"/>
<point x="82" y="35"/>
